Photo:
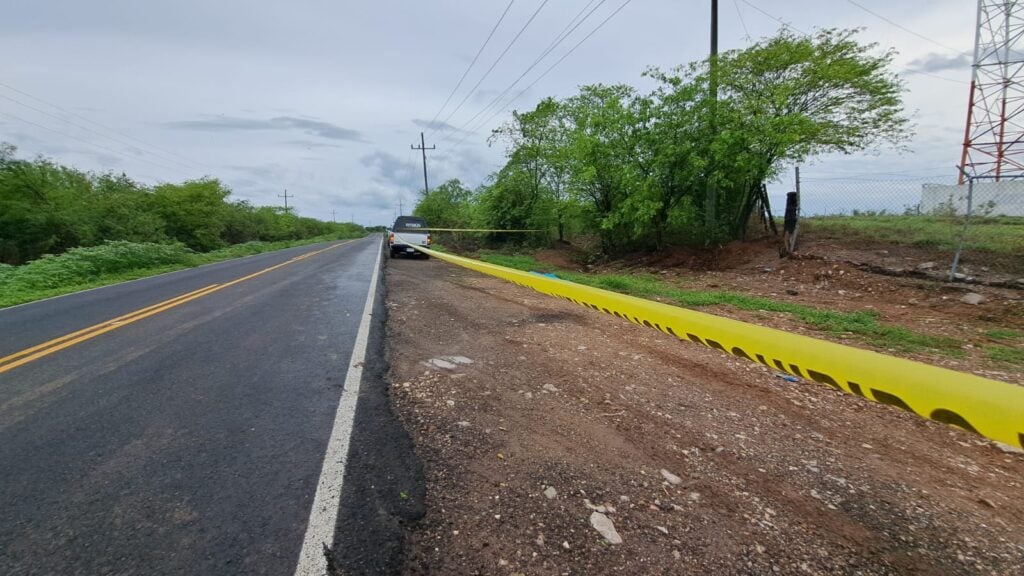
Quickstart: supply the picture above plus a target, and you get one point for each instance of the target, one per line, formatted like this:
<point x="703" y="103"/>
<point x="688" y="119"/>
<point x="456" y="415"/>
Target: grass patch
<point x="864" y="324"/>
<point x="1002" y="235"/>
<point x="1004" y="334"/>
<point x="113" y="262"/>
<point x="1005" y="354"/>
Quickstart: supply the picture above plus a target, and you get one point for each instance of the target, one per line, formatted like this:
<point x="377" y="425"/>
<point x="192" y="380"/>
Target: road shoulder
<point x="532" y="417"/>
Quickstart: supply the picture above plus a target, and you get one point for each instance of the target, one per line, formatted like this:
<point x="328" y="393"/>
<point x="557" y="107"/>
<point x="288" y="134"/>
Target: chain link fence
<point x="935" y="226"/>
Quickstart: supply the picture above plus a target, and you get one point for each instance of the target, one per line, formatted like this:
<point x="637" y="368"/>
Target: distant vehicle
<point x="408" y="231"/>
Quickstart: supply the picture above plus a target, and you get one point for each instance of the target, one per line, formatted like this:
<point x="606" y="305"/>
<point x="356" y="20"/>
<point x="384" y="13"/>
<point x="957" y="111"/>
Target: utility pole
<point x="423" y="148"/>
<point x="286" y="196"/>
<point x="400" y="211"/>
<point x="711" y="199"/>
<point x="333" y="218"/>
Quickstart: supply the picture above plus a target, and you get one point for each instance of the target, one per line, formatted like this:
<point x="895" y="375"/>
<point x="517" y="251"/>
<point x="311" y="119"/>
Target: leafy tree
<point x="781" y="101"/>
<point x="449" y="205"/>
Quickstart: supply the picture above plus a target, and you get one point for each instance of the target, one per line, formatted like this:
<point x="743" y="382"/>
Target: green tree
<point x="781" y="101"/>
<point x="449" y="205"/>
<point x="193" y="212"/>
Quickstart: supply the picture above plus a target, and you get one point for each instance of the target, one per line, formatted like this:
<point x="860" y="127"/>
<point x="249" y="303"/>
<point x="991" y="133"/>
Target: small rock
<point x="694" y="496"/>
<point x="987" y="502"/>
<point x="502" y="562"/>
<point x="623" y="498"/>
<point x="550" y="492"/>
<point x="1009" y="449"/>
<point x="529" y="395"/>
<point x="671" y="478"/>
<point x="450" y="403"/>
<point x="601" y="509"/>
<point x="791" y="292"/>
<point x="676" y="554"/>
<point x="565" y="544"/>
<point x="605" y="527"/>
<point x="550" y="388"/>
<point x="662" y="529"/>
<point x="972" y="298"/>
<point x="868" y="446"/>
<point x="441" y="363"/>
<point x="926" y="265"/>
<point x="462" y="424"/>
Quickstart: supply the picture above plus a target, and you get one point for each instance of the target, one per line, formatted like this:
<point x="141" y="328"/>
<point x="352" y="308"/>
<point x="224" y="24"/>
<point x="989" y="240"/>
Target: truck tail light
<point x="430" y="239"/>
<point x="391" y="238"/>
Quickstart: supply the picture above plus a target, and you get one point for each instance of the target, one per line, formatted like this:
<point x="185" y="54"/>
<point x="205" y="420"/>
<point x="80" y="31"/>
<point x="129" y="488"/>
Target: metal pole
<point x="711" y="200"/>
<point x="963" y="231"/>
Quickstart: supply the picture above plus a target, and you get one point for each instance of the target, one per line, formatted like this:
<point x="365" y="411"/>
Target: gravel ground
<point x="535" y="420"/>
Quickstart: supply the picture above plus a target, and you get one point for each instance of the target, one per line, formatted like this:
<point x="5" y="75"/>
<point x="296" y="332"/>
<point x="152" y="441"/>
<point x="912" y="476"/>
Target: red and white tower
<point x="994" y="137"/>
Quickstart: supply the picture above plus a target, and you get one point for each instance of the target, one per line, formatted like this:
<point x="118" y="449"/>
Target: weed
<point x="1005" y="354"/>
<point x="1004" y="334"/>
<point x="864" y="324"/>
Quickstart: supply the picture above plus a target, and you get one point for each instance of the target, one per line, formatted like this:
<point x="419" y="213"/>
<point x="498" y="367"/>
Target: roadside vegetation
<point x="117" y="261"/>
<point x="1003" y="236"/>
<point x="63" y="230"/>
<point x="684" y="164"/>
<point x="47" y="208"/>
<point x="862" y="324"/>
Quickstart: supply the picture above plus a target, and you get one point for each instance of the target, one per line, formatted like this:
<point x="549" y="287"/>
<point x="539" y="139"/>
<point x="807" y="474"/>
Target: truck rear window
<point x="409" y="224"/>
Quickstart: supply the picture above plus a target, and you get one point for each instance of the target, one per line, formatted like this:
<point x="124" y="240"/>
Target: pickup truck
<point x="407" y="232"/>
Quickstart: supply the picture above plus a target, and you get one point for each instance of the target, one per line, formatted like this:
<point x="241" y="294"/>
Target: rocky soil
<point x="557" y="440"/>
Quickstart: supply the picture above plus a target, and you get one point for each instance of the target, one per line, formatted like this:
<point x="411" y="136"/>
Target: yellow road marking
<point x="27" y="351"/>
<point x="49" y="347"/>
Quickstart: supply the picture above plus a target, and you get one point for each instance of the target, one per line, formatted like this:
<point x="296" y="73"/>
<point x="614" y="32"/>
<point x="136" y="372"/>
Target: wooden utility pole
<point x="286" y="196"/>
<point x="423" y="148"/>
<point x="333" y="216"/>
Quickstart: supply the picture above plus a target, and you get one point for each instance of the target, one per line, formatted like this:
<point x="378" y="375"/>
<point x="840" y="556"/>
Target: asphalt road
<point x="190" y="440"/>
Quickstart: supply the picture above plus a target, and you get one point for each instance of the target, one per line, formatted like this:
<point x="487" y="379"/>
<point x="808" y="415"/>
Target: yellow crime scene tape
<point x="987" y="407"/>
<point x="473" y="230"/>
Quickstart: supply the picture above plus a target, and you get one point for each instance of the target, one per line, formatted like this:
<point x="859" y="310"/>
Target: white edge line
<point x="94" y="288"/>
<point x="324" y="513"/>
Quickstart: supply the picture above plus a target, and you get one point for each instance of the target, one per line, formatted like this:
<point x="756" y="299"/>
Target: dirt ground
<point x="528" y="412"/>
<point x="840" y="277"/>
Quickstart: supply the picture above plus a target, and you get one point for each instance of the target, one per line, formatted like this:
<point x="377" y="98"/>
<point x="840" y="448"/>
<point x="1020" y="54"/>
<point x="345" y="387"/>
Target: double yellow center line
<point x="49" y="347"/>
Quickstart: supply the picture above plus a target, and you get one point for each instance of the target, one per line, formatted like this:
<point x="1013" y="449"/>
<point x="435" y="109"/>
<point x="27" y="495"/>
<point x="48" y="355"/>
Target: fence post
<point x="963" y="231"/>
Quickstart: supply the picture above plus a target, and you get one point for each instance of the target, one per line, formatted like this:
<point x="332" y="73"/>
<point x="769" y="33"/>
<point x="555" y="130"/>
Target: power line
<point x="777" y="19"/>
<point x="495" y="63"/>
<point x="561" y="37"/>
<point x="746" y="33"/>
<point x="108" y="128"/>
<point x="546" y="72"/>
<point x="83" y="140"/>
<point x="904" y="28"/>
<point x="903" y="71"/>
<point x="91" y="131"/>
<point x="468" y="68"/>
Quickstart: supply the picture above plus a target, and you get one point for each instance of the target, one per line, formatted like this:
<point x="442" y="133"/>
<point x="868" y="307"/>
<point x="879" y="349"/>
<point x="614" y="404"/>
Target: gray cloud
<point x="308" y="144"/>
<point x="435" y="125"/>
<point x="934" y="62"/>
<point x="230" y="123"/>
<point x="390" y="170"/>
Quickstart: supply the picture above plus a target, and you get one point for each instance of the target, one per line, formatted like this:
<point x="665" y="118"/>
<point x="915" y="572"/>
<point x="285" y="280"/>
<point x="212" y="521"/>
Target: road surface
<point x="188" y="436"/>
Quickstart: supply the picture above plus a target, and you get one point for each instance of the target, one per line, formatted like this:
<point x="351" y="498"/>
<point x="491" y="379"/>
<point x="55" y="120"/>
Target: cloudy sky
<point x="324" y="97"/>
